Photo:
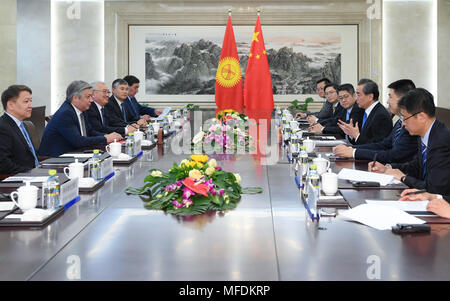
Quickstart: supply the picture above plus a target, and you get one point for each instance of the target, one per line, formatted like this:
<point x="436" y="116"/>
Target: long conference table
<point x="108" y="235"/>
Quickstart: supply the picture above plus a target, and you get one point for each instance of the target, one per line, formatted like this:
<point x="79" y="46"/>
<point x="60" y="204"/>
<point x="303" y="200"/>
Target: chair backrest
<point x="443" y="115"/>
<point x="31" y="129"/>
<point x="38" y="119"/>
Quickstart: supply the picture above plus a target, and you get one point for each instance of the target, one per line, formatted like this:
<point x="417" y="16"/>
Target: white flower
<point x="197" y="138"/>
<point x="210" y="170"/>
<point x="195" y="174"/>
<point x="238" y="177"/>
<point x="156" y="174"/>
<point x="212" y="163"/>
<point x="185" y="161"/>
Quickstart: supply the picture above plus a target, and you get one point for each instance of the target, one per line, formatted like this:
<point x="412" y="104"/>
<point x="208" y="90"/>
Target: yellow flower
<point x="199" y="158"/>
<point x="210" y="170"/>
<point x="195" y="174"/>
<point x="212" y="163"/>
<point x="190" y="164"/>
<point x="156" y="173"/>
<point x="228" y="111"/>
<point x="238" y="177"/>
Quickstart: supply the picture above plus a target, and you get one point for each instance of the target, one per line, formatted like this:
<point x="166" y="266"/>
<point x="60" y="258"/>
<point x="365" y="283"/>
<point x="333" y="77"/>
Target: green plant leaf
<point x="252" y="190"/>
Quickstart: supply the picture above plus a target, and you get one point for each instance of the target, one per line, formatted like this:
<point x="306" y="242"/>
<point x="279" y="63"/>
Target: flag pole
<point x="229" y="12"/>
<point x="258" y="11"/>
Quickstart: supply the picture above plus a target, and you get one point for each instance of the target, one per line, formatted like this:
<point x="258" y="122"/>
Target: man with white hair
<point x="69" y="129"/>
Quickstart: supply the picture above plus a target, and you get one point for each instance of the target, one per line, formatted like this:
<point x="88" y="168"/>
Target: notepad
<point x="407" y="206"/>
<point x="24" y="179"/>
<point x="359" y="175"/>
<point x="6" y="206"/>
<point x="165" y="112"/>
<point x="379" y="216"/>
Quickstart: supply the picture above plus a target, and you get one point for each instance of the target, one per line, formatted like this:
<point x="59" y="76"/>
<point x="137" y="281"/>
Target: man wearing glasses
<point x="430" y="168"/>
<point x="331" y="93"/>
<point x="399" y="146"/>
<point x="69" y="129"/>
<point x="96" y="112"/>
<point x="326" y="110"/>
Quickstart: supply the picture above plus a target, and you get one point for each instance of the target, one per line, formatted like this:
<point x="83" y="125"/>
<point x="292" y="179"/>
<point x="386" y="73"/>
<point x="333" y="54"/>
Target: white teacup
<point x="26" y="196"/>
<point x="309" y="144"/>
<point x="114" y="149"/>
<point x="322" y="164"/>
<point x="294" y="124"/>
<point x="170" y="118"/>
<point x="329" y="183"/>
<point x="75" y="170"/>
<point x="155" y="127"/>
<point x="138" y="135"/>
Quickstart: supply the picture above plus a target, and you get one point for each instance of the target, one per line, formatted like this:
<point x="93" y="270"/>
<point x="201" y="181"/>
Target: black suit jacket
<point x="332" y="120"/>
<point x="356" y="115"/>
<point x="95" y="119"/>
<point x="15" y="154"/>
<point x="437" y="166"/>
<point x="390" y="150"/>
<point x="114" y="115"/>
<point x="377" y="127"/>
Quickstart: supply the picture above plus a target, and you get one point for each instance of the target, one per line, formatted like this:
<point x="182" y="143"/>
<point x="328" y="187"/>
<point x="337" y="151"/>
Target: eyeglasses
<point x="403" y="119"/>
<point x="103" y="91"/>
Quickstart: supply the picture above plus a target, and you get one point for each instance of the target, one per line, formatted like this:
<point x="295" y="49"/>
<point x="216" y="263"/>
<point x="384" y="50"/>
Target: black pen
<point x="374" y="160"/>
<point x="416" y="192"/>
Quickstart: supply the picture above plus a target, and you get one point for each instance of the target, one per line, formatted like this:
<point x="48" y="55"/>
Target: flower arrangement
<point x="228" y="131"/>
<point x="192" y="187"/>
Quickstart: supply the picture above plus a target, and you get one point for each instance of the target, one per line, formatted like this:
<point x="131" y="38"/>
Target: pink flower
<point x="177" y="205"/>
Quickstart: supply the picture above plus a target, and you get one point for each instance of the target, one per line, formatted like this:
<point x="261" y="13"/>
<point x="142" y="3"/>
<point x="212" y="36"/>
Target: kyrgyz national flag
<point x="258" y="96"/>
<point x="229" y="77"/>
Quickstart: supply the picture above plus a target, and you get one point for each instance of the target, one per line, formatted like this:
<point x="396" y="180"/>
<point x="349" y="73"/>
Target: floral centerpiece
<point x="192" y="187"/>
<point x="228" y="131"/>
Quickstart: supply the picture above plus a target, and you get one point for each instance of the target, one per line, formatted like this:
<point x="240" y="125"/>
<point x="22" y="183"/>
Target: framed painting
<point x="179" y="63"/>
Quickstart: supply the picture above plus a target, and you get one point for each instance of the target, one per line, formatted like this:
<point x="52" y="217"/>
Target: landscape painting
<point x="183" y="60"/>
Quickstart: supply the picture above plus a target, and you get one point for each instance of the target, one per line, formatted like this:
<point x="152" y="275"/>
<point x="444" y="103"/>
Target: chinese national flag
<point x="229" y="77"/>
<point x="258" y="96"/>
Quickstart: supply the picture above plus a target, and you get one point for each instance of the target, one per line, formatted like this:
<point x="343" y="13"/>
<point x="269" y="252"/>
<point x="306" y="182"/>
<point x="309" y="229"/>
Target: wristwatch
<point x="402" y="179"/>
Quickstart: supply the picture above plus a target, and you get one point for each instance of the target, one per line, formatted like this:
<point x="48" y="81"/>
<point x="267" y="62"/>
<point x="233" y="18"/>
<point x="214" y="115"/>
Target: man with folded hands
<point x="399" y="146"/>
<point x="429" y="170"/>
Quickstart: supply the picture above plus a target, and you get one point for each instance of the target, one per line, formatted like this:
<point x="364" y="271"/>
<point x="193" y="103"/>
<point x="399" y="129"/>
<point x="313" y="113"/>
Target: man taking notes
<point x="325" y="111"/>
<point x="376" y="124"/>
<point x="430" y="168"/>
<point x="139" y="110"/>
<point x="69" y="128"/>
<point x="399" y="146"/>
<point x="17" y="153"/>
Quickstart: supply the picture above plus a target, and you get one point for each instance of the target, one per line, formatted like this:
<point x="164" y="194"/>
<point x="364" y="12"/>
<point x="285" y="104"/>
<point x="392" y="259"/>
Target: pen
<point x="374" y="160"/>
<point x="416" y="192"/>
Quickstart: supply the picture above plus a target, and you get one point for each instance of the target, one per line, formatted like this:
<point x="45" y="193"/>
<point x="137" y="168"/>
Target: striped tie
<point x="397" y="130"/>
<point x="347" y="120"/>
<point x="424" y="160"/>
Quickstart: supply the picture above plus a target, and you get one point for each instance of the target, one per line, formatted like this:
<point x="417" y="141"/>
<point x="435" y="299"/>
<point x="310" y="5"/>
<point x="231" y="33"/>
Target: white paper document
<point x="380" y="217"/>
<point x="24" y="179"/>
<point x="359" y="175"/>
<point x="407" y="206"/>
<point x="80" y="155"/>
<point x="6" y="206"/>
<point x="329" y="142"/>
<point x="165" y="112"/>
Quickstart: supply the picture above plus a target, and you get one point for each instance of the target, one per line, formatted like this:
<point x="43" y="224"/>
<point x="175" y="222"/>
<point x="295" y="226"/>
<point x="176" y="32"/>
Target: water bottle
<point x="130" y="145"/>
<point x="166" y="125"/>
<point x="185" y="113"/>
<point x="302" y="168"/>
<point x="313" y="190"/>
<point x="95" y="166"/>
<point x="294" y="145"/>
<point x="50" y="191"/>
<point x="149" y="133"/>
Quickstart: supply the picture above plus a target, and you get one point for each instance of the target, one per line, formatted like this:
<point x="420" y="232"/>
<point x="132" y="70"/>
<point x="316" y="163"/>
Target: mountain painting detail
<point x="180" y="64"/>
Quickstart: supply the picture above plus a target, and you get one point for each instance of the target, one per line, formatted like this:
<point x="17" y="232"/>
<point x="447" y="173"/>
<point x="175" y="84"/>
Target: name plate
<point x="107" y="167"/>
<point x="69" y="191"/>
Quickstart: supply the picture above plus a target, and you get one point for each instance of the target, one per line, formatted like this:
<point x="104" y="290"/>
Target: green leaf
<point x="252" y="190"/>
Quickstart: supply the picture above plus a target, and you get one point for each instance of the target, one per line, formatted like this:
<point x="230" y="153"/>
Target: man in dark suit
<point x="17" y="153"/>
<point x="118" y="113"/>
<point x="376" y="124"/>
<point x="331" y="93"/>
<point x="430" y="168"/>
<point x="139" y="110"/>
<point x="69" y="128"/>
<point x="96" y="112"/>
<point x="399" y="146"/>
<point x="325" y="111"/>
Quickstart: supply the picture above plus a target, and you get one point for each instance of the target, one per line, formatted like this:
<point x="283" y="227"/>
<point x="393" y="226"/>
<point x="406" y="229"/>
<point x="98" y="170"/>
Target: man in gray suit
<point x="327" y="109"/>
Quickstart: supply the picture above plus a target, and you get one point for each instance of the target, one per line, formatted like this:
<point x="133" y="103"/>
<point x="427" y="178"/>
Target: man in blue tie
<point x="17" y="152"/>
<point x="430" y="168"/>
<point x="69" y="129"/>
<point x="118" y="113"/>
<point x="139" y="110"/>
<point x="399" y="146"/>
<point x="377" y="122"/>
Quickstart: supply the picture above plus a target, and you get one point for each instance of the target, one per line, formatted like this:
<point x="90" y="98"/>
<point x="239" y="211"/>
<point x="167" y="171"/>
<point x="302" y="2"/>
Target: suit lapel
<point x="18" y="133"/>
<point x="74" y="116"/>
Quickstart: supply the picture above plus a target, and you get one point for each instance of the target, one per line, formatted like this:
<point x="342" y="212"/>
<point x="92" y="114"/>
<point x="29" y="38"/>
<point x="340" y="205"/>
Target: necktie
<point x="102" y="110"/>
<point x="364" y="119"/>
<point x="30" y="145"/>
<point x="397" y="130"/>
<point x="424" y="160"/>
<point x="123" y="111"/>
<point x="83" y="125"/>
<point x="347" y="120"/>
